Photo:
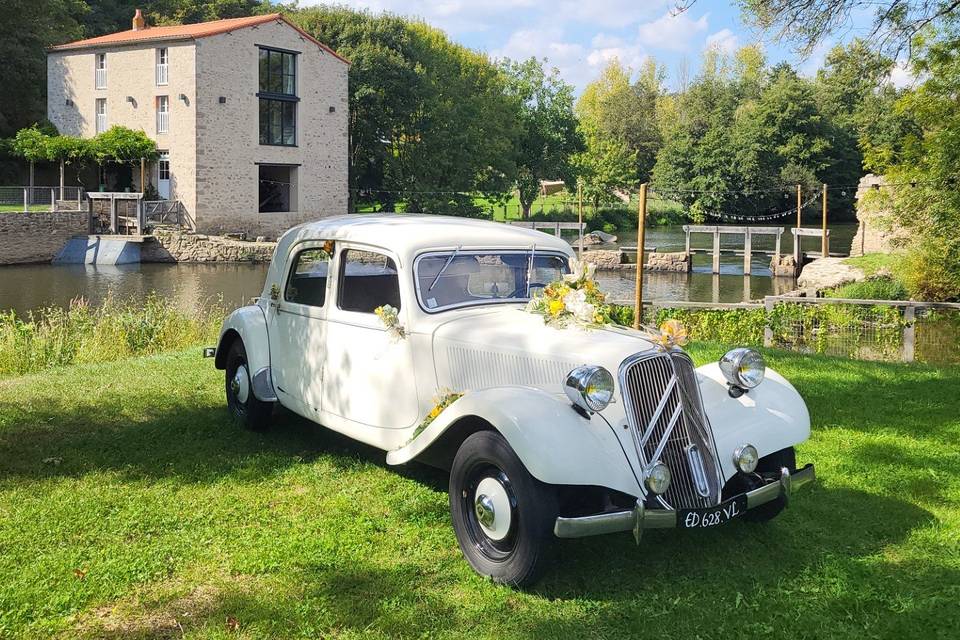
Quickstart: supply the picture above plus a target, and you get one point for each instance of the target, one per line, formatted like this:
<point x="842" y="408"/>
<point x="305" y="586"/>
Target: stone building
<point x="249" y="114"/>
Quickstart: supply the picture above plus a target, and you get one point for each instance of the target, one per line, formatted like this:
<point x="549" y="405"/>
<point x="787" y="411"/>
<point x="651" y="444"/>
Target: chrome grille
<point x="666" y="417"/>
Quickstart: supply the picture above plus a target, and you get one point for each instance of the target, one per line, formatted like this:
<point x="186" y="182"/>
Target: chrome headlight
<point x="589" y="387"/>
<point x="658" y="479"/>
<point x="743" y="367"/>
<point x="745" y="457"/>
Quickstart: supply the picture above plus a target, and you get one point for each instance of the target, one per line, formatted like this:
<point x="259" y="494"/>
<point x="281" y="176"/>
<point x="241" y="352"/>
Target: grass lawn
<point x="18" y="208"/>
<point x="870" y="263"/>
<point x="129" y="507"/>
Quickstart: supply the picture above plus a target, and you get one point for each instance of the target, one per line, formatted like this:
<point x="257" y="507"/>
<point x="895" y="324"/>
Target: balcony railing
<point x="101" y="122"/>
<point x="163" y="121"/>
<point x="101" y="79"/>
<point x="162" y="73"/>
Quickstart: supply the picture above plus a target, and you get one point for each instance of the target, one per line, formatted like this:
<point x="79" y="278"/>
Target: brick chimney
<point x="138" y="22"/>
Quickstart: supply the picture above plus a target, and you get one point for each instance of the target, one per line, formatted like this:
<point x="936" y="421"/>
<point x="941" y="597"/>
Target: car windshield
<point x="464" y="277"/>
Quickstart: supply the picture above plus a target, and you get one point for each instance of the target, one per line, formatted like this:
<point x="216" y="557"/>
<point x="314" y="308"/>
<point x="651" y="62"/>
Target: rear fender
<point x="249" y="325"/>
<point x="555" y="443"/>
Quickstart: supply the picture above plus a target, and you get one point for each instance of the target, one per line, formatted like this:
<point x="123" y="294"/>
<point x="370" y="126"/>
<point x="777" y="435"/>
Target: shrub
<point x="57" y="337"/>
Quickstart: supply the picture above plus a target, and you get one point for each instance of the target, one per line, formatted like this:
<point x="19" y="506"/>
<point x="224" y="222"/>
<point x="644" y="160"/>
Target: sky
<point x="579" y="37"/>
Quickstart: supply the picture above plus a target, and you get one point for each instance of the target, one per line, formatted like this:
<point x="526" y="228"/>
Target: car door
<point x="297" y="328"/>
<point x="368" y="374"/>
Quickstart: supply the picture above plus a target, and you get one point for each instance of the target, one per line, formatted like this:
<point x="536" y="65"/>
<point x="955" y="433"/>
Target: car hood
<point x="508" y="346"/>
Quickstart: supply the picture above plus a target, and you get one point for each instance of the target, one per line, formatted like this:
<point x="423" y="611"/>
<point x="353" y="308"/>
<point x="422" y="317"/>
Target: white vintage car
<point x="412" y="334"/>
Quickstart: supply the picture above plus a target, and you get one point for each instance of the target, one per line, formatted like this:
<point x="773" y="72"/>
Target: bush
<point x="877" y="288"/>
<point x="931" y="269"/>
<point x="57" y="337"/>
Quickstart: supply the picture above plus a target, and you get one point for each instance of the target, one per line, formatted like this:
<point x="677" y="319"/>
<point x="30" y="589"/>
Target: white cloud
<point x="673" y="32"/>
<point x="901" y="76"/>
<point x="724" y="41"/>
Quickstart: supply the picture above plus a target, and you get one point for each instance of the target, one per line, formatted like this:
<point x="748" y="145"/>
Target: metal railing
<point x="888" y="330"/>
<point x="100" y="78"/>
<point x="162" y="212"/>
<point x="162" y="73"/>
<point x="24" y="199"/>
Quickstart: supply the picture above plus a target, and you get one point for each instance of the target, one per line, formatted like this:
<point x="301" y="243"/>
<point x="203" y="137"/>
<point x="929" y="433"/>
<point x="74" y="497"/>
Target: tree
<point x="926" y="199"/>
<point x="547" y="134"/>
<point x="613" y="108"/>
<point x="28" y="28"/>
<point x="895" y="23"/>
<point x="67" y="150"/>
<point x="120" y="145"/>
<point x="430" y="121"/>
<point x="31" y="145"/>
<point x="604" y="168"/>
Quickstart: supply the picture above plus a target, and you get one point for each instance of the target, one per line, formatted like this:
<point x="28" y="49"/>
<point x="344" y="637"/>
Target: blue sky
<point x="580" y="36"/>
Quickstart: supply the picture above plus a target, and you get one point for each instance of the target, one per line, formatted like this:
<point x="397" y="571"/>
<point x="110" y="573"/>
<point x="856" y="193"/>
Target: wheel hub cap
<point x="240" y="384"/>
<point x="492" y="508"/>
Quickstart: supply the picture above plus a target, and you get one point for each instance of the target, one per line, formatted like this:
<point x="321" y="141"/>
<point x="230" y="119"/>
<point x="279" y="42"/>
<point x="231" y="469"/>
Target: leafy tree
<point x="67" y="150"/>
<point x="895" y="22"/>
<point x="926" y="199"/>
<point x="28" y="28"/>
<point x="547" y="134"/>
<point x="31" y="145"/>
<point x="615" y="109"/>
<point x="605" y="167"/>
<point x="431" y="121"/>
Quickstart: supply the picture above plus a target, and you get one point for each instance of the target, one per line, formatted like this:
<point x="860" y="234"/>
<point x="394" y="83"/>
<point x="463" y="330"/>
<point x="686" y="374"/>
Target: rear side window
<point x="367" y="280"/>
<point x="307" y="283"/>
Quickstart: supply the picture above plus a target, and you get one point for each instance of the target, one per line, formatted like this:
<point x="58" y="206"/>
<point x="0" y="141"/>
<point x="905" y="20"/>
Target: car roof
<point x="408" y="234"/>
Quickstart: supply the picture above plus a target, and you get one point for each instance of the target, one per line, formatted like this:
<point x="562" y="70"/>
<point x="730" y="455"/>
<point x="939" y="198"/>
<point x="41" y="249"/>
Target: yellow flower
<point x="435" y="411"/>
<point x="556" y="307"/>
<point x="673" y="332"/>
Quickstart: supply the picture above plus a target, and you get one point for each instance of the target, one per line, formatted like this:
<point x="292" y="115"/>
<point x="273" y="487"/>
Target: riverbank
<point x="133" y="508"/>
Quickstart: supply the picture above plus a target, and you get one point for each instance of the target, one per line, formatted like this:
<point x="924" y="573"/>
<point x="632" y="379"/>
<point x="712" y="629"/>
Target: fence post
<point x="747" y="252"/>
<point x="768" y="328"/>
<point x="53" y="200"/>
<point x="909" y="333"/>
<point x="638" y="283"/>
<point x="716" y="250"/>
<point x="25" y="199"/>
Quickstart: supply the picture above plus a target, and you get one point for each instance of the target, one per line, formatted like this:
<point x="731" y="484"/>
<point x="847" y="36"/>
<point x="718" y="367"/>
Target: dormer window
<point x="100" y="74"/>
<point x="162" y="66"/>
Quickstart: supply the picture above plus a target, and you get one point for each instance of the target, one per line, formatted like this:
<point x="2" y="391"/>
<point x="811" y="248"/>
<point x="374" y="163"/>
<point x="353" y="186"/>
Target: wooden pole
<point x="641" y="219"/>
<point x="580" y="217"/>
<point x="799" y="206"/>
<point x="143" y="175"/>
<point x="824" y="245"/>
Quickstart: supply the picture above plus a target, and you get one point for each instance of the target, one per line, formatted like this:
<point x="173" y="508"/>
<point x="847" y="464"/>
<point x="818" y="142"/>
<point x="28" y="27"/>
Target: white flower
<point x="580" y="270"/>
<point x="576" y="303"/>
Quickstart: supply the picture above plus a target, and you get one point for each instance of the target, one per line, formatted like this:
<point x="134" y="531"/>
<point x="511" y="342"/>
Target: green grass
<point x="870" y="263"/>
<point x="18" y="208"/>
<point x="130" y="507"/>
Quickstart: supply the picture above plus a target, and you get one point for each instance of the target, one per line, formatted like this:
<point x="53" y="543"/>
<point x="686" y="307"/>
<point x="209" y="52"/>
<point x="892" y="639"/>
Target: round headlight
<point x="589" y="387"/>
<point x="658" y="479"/>
<point x="745" y="457"/>
<point x="743" y="367"/>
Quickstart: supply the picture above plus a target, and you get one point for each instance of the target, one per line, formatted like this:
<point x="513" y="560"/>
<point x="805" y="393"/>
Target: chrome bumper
<point x="640" y="518"/>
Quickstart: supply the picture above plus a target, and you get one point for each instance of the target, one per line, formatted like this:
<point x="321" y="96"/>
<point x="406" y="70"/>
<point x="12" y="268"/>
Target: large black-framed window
<point x="278" y="97"/>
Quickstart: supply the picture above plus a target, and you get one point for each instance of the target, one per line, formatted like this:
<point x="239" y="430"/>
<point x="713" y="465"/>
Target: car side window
<point x="367" y="281"/>
<point x="307" y="283"/>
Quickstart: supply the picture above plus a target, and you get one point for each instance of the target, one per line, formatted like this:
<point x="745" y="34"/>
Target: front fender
<point x="771" y="416"/>
<point x="555" y="443"/>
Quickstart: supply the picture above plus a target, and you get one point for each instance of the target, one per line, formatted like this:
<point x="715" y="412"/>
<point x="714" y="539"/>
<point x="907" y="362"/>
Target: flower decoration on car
<point x="389" y="316"/>
<point x="673" y="333"/>
<point x="328" y="247"/>
<point x="443" y="399"/>
<point x="574" y="299"/>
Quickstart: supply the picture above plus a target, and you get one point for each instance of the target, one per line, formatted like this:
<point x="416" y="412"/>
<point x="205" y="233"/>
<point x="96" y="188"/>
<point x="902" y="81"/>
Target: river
<point x="26" y="288"/>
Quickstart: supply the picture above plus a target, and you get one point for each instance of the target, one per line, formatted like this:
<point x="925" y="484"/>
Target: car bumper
<point x="640" y="518"/>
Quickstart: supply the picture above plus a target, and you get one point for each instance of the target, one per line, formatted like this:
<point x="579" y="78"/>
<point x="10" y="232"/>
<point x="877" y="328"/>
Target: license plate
<point x="712" y="516"/>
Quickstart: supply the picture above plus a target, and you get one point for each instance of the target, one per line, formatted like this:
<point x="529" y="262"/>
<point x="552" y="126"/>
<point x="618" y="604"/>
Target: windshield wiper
<point x="444" y="268"/>
<point x="533" y="250"/>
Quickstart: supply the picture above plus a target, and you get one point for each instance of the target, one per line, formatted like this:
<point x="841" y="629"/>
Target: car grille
<point x="666" y="416"/>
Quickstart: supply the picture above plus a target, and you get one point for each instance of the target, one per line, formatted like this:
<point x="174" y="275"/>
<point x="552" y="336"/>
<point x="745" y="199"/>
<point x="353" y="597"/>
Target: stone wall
<point x="178" y="246"/>
<point x="37" y="236"/>
<point x="676" y="261"/>
<point x="604" y="259"/>
<point x="878" y="231"/>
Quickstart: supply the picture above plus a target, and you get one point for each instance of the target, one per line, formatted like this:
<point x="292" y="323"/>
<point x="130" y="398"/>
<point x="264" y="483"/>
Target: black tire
<point x="249" y="413"/>
<point x="773" y="463"/>
<point x="517" y="558"/>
